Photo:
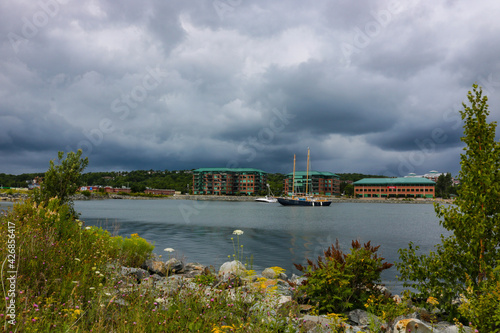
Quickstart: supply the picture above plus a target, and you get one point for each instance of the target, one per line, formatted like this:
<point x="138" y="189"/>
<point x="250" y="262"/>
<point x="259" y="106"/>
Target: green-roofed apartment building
<point x="406" y="187"/>
<point x="229" y="181"/>
<point x="319" y="183"/>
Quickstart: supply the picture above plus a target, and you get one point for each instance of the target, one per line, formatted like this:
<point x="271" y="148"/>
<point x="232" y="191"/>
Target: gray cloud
<point x="371" y="86"/>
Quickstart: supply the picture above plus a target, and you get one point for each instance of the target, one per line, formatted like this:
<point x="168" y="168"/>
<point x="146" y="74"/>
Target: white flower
<point x="92" y="288"/>
<point x="169" y="249"/>
<point x="238" y="232"/>
<point x="76" y="282"/>
<point x="107" y="294"/>
<point x="77" y="259"/>
<point x="97" y="272"/>
<point x="88" y="228"/>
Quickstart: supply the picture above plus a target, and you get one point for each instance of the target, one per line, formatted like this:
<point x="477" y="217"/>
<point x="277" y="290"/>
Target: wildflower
<point x="169" y="249"/>
<point x="432" y="300"/>
<point x="134" y="235"/>
<point x="88" y="228"/>
<point x="97" y="272"/>
<point x="92" y="288"/>
<point x="77" y="259"/>
<point x="238" y="232"/>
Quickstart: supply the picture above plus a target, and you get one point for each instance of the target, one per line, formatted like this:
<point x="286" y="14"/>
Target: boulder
<point x="174" y="266"/>
<point x="412" y="325"/>
<point x="270" y="273"/>
<point x="194" y="269"/>
<point x="155" y="267"/>
<point x="138" y="273"/>
<point x="363" y="318"/>
<point x="229" y="268"/>
<point x="316" y="324"/>
<point x="169" y="285"/>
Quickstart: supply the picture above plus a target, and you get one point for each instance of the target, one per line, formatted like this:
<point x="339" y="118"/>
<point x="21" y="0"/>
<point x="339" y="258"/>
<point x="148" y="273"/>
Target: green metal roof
<point x="313" y="173"/>
<point x="395" y="181"/>
<point x="228" y="170"/>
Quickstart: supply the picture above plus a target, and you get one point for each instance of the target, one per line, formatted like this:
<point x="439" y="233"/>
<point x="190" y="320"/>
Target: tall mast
<point x="307" y="173"/>
<point x="293" y="178"/>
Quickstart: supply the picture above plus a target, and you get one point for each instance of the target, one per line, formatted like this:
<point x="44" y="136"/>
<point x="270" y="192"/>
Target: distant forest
<point x="138" y="181"/>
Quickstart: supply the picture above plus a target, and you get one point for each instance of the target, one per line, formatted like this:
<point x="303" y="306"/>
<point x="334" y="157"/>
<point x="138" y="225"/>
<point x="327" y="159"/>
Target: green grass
<point x="67" y="281"/>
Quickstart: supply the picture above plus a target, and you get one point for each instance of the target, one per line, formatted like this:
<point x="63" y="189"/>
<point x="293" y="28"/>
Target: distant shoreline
<point x="81" y="197"/>
<point x="252" y="199"/>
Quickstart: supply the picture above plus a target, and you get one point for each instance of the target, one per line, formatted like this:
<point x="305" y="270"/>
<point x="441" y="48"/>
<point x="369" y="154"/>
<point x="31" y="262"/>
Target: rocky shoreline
<point x="280" y="293"/>
<point x="95" y="196"/>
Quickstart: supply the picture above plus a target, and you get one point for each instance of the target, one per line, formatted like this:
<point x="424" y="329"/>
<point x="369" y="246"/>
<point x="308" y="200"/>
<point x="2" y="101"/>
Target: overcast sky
<point x="370" y="86"/>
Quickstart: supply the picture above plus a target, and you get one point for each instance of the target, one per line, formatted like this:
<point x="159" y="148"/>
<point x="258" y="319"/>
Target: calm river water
<point x="201" y="231"/>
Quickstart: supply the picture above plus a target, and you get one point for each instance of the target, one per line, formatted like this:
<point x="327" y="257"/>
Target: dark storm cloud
<point x="181" y="85"/>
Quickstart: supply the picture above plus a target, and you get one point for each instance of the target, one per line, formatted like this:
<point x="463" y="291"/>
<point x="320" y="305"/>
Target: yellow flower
<point x="432" y="300"/>
<point x="134" y="235"/>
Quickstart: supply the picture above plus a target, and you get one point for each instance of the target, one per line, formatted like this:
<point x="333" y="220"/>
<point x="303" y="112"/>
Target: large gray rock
<point x="229" y="268"/>
<point x="363" y="318"/>
<point x="169" y="285"/>
<point x="155" y="267"/>
<point x="194" y="269"/>
<point x="138" y="273"/>
<point x="174" y="266"/>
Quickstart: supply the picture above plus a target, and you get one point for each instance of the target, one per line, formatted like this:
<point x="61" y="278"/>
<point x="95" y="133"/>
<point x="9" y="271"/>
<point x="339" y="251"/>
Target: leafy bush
<point x="481" y="307"/>
<point x="340" y="282"/>
<point x="133" y="251"/>
<point x="86" y="193"/>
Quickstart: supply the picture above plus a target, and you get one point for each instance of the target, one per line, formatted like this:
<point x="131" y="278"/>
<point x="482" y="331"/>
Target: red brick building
<point x="394" y="188"/>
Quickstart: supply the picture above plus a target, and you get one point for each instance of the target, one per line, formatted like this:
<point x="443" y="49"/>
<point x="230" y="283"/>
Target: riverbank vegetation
<point x="463" y="272"/>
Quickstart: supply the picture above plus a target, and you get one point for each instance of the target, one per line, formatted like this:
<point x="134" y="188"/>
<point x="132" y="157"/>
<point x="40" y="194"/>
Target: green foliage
<point x="18" y="180"/>
<point x="62" y="180"/>
<point x="133" y="251"/>
<point x="481" y="305"/>
<point x="444" y="186"/>
<point x="138" y="180"/>
<point x="205" y="279"/>
<point x="386" y="308"/>
<point x="341" y="282"/>
<point x="472" y="251"/>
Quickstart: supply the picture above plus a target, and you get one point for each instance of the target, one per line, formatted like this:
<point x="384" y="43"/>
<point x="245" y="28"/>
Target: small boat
<point x="268" y="198"/>
<point x="305" y="200"/>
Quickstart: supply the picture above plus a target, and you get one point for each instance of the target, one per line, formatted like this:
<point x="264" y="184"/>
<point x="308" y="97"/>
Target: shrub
<point x="133" y="251"/>
<point x="481" y="306"/>
<point x="340" y="282"/>
<point x="86" y="193"/>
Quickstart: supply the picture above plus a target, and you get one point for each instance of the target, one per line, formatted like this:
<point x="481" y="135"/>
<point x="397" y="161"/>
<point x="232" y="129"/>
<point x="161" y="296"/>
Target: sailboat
<point x="303" y="200"/>
<point x="268" y="198"/>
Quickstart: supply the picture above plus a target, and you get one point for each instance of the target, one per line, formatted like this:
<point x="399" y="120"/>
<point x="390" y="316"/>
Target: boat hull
<point x="267" y="200"/>
<point x="303" y="202"/>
